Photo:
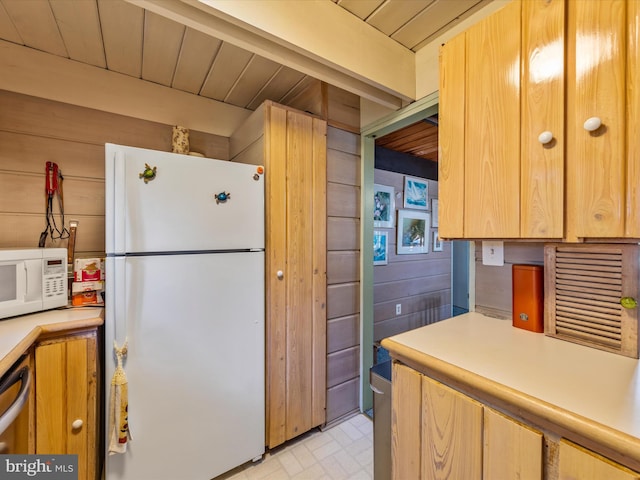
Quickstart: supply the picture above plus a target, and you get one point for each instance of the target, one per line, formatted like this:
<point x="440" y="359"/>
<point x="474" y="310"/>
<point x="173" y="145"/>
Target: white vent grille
<point x="584" y="287"/>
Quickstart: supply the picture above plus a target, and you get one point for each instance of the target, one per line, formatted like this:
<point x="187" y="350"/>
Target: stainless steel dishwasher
<point x="380" y="383"/>
<point x="15" y="388"/>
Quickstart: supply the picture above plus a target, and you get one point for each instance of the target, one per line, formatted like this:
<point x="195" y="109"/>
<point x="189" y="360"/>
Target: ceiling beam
<point x="305" y="36"/>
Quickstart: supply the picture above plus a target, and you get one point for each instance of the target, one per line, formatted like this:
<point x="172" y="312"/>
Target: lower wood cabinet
<point x="66" y="383"/>
<point x="440" y="433"/>
<point x="576" y="462"/>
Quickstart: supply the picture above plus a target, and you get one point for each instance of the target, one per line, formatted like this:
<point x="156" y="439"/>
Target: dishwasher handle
<point x="21" y="375"/>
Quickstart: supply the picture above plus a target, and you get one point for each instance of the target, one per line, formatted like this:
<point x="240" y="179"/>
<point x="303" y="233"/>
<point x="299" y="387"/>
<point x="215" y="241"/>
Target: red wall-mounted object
<point x="528" y="297"/>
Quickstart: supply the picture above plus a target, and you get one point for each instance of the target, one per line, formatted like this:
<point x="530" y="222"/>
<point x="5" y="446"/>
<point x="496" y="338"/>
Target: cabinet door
<point x="295" y="145"/>
<point x="542" y="185"/>
<point x="66" y="400"/>
<point x="511" y="449"/>
<point x="451" y="434"/>
<point x="492" y="126"/>
<point x="406" y="414"/>
<point x="633" y="120"/>
<point x="596" y="166"/>
<point x="577" y="462"/>
<point x="451" y="131"/>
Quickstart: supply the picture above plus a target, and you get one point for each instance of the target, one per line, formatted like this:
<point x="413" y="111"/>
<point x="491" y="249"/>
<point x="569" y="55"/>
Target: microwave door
<point x="33" y="281"/>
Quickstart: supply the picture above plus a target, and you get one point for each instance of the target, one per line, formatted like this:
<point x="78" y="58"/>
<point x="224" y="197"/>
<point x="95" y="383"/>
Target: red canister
<point x="528" y="297"/>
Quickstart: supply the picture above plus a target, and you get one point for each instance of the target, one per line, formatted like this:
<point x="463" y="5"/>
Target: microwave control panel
<point x="54" y="278"/>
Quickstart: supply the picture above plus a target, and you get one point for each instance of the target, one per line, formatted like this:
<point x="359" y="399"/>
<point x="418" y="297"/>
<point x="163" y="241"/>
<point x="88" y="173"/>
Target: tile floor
<point x="342" y="452"/>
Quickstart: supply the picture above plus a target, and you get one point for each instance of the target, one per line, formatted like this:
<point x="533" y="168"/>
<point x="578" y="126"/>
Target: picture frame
<point x="416" y="193"/>
<point x="413" y="232"/>
<point x="437" y="243"/>
<point x="380" y="247"/>
<point x="384" y="206"/>
<point x="434" y="212"/>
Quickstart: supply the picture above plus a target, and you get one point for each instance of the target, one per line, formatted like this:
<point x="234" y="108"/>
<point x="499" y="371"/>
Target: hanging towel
<point x="119" y="433"/>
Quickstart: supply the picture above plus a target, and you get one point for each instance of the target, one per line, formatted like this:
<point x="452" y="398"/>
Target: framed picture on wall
<point x="416" y="193"/>
<point x="437" y="243"/>
<point x="434" y="212"/>
<point x="413" y="232"/>
<point x="380" y="247"/>
<point x="384" y="206"/>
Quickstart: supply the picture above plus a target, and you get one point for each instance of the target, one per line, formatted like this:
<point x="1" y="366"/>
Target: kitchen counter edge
<point x="18" y="334"/>
<point x="535" y="410"/>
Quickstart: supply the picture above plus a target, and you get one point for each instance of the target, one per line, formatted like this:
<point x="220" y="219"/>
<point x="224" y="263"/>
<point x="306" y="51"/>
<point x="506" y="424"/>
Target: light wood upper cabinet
<point x="492" y="126"/>
<point x="66" y="399"/>
<point x="543" y="78"/>
<point x="530" y="168"/>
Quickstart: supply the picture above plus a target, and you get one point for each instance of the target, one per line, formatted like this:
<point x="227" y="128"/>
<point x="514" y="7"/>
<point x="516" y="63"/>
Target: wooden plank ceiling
<point x="124" y="38"/>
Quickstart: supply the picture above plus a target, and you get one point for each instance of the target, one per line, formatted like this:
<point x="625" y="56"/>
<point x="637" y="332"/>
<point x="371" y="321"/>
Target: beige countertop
<point x="17" y="334"/>
<point x="593" y="393"/>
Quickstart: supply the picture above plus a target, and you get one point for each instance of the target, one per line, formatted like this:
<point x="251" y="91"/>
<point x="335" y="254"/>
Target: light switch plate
<point x="493" y="253"/>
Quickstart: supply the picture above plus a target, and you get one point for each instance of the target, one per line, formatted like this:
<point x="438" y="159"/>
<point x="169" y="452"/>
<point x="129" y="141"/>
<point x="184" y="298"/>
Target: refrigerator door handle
<point x="119" y="201"/>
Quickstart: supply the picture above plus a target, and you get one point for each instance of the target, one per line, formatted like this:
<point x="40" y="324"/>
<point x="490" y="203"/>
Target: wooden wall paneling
<point x="343" y="233"/>
<point x="342" y="400"/>
<point x="343" y="167"/>
<point x="123" y="51"/>
<point x="343" y="109"/>
<point x="343" y="267"/>
<point x="343" y="332"/>
<point x="400" y="324"/>
<point x="23" y="152"/>
<point x="343" y="141"/>
<point x="249" y="132"/>
<point x="306" y="97"/>
<point x="492" y="282"/>
<point x="319" y="272"/>
<point x="344" y="365"/>
<point x="343" y="200"/>
<point x="385" y="292"/>
<point x="47" y="118"/>
<point x="343" y="299"/>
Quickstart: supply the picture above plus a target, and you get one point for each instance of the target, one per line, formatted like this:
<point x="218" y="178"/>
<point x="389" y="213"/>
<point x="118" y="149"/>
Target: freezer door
<point x="162" y="201"/>
<point x="195" y="364"/>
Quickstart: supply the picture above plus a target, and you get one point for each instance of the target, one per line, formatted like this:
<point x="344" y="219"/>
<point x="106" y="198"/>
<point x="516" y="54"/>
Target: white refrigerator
<point x="184" y="286"/>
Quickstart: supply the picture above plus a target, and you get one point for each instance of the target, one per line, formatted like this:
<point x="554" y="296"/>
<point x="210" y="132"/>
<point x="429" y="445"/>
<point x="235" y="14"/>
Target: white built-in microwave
<point x="32" y="280"/>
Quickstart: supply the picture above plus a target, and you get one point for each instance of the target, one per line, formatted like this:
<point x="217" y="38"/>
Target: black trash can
<point x="380" y="383"/>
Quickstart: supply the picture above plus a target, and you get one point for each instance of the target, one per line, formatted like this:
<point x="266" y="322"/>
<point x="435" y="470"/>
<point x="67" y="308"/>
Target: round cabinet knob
<point x="4" y="447"/>
<point x="545" y="137"/>
<point x="592" y="124"/>
<point x="280" y="274"/>
<point x="77" y="424"/>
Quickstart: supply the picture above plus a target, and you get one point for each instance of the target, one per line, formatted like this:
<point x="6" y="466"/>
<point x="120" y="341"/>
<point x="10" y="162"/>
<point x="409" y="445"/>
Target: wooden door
<point x="295" y="146"/>
<point x="543" y="78"/>
<point x="66" y="399"/>
<point x="596" y="166"/>
<point x="492" y="128"/>
<point x="577" y="462"/>
<point x="451" y="434"/>
<point x="511" y="449"/>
